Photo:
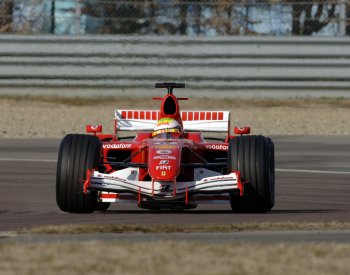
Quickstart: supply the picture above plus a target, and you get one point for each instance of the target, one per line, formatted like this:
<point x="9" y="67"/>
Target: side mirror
<point x="241" y="130"/>
<point x="94" y="129"/>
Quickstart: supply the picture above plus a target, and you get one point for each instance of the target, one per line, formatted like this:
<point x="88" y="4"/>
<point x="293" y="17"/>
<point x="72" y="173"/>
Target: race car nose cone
<point x="164" y="160"/>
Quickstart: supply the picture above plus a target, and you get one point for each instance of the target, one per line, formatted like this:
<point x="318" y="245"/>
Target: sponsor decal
<point x="117" y="146"/>
<point x="217" y="147"/>
<point x="163" y="162"/>
<point x="163" y="167"/>
<point x="93" y="128"/>
<point x="111" y="178"/>
<point x="171" y="142"/>
<point x="163" y="173"/>
<point x="164" y="143"/>
<point x="164" y="157"/>
<point x="220" y="178"/>
<point x="165" y="146"/>
<point x="163" y="152"/>
<point x="165" y="188"/>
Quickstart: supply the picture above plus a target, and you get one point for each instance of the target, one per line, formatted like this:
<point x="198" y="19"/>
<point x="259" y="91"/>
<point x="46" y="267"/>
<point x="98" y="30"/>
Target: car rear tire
<point x="77" y="153"/>
<point x="253" y="157"/>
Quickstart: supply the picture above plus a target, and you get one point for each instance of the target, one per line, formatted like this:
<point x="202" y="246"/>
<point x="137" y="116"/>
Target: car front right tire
<point x="253" y="157"/>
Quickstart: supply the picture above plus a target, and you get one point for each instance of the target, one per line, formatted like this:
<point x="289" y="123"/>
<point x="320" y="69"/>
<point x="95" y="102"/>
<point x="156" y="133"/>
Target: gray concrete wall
<point x="102" y="64"/>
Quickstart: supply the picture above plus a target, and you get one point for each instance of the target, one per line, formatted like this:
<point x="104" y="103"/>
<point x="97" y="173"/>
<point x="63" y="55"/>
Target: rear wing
<point x="206" y="121"/>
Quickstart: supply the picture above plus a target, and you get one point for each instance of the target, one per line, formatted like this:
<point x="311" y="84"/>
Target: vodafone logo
<point x="217" y="147"/>
<point x="117" y="146"/>
<point x="93" y="128"/>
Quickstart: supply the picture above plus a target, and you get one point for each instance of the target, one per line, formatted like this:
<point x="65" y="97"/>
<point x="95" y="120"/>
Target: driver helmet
<point x="167" y="128"/>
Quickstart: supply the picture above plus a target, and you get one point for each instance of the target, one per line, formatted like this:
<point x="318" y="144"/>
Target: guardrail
<point x="229" y="63"/>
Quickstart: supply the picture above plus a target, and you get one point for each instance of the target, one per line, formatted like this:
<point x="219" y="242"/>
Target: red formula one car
<point x="168" y="164"/>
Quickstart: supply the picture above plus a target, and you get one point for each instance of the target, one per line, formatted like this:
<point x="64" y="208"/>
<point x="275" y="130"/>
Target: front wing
<point x="126" y="181"/>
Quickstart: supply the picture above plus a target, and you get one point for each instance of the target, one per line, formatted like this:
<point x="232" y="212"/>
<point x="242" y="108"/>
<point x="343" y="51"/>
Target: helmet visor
<point x="167" y="134"/>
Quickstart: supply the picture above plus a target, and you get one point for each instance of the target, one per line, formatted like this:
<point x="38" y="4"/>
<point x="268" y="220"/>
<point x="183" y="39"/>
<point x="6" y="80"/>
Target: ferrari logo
<point x="163" y="173"/>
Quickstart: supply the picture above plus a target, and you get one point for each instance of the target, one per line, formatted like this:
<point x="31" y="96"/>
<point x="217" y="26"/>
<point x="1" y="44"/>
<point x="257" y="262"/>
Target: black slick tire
<point x="77" y="153"/>
<point x="253" y="157"/>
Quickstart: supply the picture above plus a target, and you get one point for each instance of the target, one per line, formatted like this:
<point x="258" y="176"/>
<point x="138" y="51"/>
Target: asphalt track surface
<point x="312" y="185"/>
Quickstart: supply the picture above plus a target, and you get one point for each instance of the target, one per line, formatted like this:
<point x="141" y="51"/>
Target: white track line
<point x="278" y="170"/>
<point x="28" y="160"/>
<point x="313" y="171"/>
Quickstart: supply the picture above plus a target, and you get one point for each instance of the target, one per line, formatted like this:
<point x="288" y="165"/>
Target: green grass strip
<point x="113" y="228"/>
